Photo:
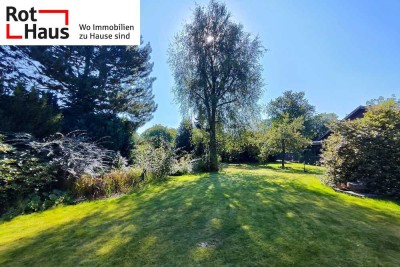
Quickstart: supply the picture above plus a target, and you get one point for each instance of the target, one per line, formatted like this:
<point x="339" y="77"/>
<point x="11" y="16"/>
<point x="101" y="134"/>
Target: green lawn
<point x="246" y="215"/>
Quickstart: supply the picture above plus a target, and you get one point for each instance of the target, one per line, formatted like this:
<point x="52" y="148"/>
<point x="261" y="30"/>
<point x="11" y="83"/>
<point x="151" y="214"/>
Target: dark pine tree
<point x="184" y="137"/>
<point x="30" y="111"/>
<point x="104" y="90"/>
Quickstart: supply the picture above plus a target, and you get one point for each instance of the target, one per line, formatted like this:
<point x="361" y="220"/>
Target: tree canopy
<point x="285" y="136"/>
<point x="101" y="79"/>
<point x="103" y="90"/>
<point x="217" y="70"/>
<point x="295" y="105"/>
<point x="159" y="135"/>
<point x="291" y="104"/>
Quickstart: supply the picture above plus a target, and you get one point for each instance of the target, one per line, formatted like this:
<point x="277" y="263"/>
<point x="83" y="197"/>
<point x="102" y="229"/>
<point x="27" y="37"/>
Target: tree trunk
<point x="213" y="161"/>
<point x="283" y="153"/>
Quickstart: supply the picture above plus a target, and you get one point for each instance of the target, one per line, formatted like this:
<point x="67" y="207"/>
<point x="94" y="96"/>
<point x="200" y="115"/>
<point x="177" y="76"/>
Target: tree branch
<point x="198" y="95"/>
<point x="227" y="102"/>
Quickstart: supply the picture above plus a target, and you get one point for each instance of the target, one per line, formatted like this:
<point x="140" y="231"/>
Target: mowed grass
<point x="246" y="215"/>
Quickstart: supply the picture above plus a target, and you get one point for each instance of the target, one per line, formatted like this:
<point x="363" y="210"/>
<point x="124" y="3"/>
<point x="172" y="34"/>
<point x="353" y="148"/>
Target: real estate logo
<point x="65" y="22"/>
<point x="32" y="29"/>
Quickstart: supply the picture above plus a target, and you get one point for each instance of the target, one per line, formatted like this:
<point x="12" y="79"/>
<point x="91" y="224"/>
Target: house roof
<point x="325" y="136"/>
<point x="358" y="113"/>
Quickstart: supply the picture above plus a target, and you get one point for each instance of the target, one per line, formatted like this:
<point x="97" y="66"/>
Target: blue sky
<point x="342" y="53"/>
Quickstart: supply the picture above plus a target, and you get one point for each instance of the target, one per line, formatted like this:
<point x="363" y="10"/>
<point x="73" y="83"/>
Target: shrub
<point x="35" y="202"/>
<point x="22" y="174"/>
<point x="241" y="146"/>
<point x="244" y="154"/>
<point x="155" y="163"/>
<point x="4" y="148"/>
<point x="115" y="182"/>
<point x="122" y="181"/>
<point x="200" y="142"/>
<point x="30" y="170"/>
<point x="182" y="165"/>
<point x="367" y="150"/>
<point x="98" y="126"/>
<point x="74" y="155"/>
<point x="199" y="165"/>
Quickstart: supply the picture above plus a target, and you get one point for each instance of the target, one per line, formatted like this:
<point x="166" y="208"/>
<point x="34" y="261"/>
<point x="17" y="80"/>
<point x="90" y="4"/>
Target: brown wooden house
<point x="316" y="147"/>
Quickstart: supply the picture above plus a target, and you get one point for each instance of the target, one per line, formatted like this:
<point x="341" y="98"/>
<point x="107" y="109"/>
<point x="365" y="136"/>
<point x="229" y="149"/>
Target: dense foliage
<point x="32" y="170"/>
<point x="158" y="156"/>
<point x="51" y="91"/>
<point x="30" y="111"/>
<point x="321" y="123"/>
<point x="103" y="90"/>
<point x="24" y="176"/>
<point x="295" y="105"/>
<point x="109" y="90"/>
<point x="159" y="135"/>
<point x="367" y="150"/>
<point x="292" y="105"/>
<point x="183" y="141"/>
<point x="284" y="136"/>
<point x="155" y="162"/>
<point x="241" y="146"/>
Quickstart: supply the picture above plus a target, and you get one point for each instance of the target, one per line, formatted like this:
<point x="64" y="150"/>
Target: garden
<point x="86" y="181"/>
<point x="243" y="215"/>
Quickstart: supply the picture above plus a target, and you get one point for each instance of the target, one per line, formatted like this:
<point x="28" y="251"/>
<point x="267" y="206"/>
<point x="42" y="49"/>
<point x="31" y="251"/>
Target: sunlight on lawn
<point x="246" y="214"/>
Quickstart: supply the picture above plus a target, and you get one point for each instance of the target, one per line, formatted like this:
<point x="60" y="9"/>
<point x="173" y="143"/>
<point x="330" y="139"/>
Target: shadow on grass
<point x="219" y="219"/>
<point x="296" y="168"/>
